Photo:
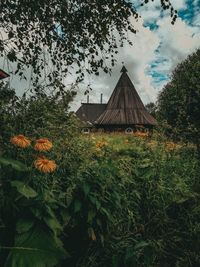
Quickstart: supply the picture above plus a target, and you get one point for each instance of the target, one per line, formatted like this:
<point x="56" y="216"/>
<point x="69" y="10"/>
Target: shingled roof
<point x="89" y="112"/>
<point x="125" y="106"/>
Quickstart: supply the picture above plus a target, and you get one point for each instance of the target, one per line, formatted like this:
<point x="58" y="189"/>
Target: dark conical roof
<point x="125" y="106"/>
<point x="123" y="70"/>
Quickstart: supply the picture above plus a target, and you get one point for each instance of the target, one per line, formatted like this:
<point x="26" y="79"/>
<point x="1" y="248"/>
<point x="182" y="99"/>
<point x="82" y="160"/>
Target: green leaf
<point x="53" y="223"/>
<point x="146" y="163"/>
<point x="15" y="164"/>
<point x="24" y="189"/>
<point x="86" y="189"/>
<point x="98" y="204"/>
<point x="36" y="248"/>
<point x="92" y="199"/>
<point x="91" y="215"/>
<point x="141" y="244"/>
<point x="24" y="225"/>
<point x="130" y="255"/>
<point x="77" y="205"/>
<point x="115" y="261"/>
<point x="104" y="211"/>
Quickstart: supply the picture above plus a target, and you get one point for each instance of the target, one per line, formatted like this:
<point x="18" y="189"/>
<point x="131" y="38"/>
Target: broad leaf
<point x="24" y="189"/>
<point x="15" y="164"/>
<point x="86" y="189"/>
<point x="35" y="248"/>
<point x="77" y="205"/>
<point x="53" y="224"/>
<point x="141" y="245"/>
<point x="23" y="225"/>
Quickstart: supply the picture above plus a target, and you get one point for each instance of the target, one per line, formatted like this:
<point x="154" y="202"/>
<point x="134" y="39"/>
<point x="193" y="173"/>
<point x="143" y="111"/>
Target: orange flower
<point x="20" y="141"/>
<point x="152" y="144"/>
<point x="170" y="145"/>
<point x="141" y="134"/>
<point x="43" y="144"/>
<point x="45" y="165"/>
<point x="100" y="145"/>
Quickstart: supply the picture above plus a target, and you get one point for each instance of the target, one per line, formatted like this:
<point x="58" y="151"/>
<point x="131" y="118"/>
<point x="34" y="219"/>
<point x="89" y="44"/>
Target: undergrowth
<point x="114" y="201"/>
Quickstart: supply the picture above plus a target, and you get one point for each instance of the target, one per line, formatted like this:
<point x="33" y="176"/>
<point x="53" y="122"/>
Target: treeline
<point x="178" y="105"/>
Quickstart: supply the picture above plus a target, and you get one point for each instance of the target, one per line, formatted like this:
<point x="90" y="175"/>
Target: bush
<point x="112" y="201"/>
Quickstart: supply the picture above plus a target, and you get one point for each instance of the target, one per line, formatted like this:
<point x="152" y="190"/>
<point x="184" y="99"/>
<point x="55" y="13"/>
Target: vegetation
<point x="178" y="103"/>
<point x="46" y="40"/>
<point x="98" y="200"/>
<point x="151" y="108"/>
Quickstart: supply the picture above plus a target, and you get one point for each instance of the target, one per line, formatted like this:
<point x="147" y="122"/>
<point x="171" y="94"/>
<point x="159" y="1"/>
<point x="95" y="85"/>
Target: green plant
<point x="30" y="223"/>
<point x="178" y="102"/>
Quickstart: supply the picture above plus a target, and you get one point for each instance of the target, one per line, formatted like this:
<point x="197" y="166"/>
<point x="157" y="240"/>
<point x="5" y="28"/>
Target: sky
<point x="157" y="48"/>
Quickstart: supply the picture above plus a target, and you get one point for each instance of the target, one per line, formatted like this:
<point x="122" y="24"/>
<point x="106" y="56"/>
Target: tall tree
<point x="152" y="108"/>
<point x="179" y="102"/>
<point x="51" y="37"/>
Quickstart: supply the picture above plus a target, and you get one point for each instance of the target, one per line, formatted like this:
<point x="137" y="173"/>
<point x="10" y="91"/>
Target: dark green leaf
<point x="35" y="248"/>
<point x="24" y="189"/>
<point x="77" y="205"/>
<point x="15" y="164"/>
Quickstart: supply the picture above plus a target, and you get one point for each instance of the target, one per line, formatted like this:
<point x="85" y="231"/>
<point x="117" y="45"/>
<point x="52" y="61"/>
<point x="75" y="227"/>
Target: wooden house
<point x="123" y="112"/>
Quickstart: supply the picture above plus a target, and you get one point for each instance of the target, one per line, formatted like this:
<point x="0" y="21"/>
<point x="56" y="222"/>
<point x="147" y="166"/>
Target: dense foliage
<point x="48" y="39"/>
<point x="152" y="109"/>
<point x="42" y="112"/>
<point x="112" y="200"/>
<point x="178" y="103"/>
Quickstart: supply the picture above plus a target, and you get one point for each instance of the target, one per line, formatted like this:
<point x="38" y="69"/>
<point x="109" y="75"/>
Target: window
<point x="129" y="130"/>
<point x="85" y="131"/>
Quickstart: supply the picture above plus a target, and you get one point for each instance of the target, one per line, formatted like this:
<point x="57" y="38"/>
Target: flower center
<point x="42" y="141"/>
<point x="21" y="136"/>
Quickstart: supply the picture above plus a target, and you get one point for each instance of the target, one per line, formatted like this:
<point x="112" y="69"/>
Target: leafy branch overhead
<point x="52" y="37"/>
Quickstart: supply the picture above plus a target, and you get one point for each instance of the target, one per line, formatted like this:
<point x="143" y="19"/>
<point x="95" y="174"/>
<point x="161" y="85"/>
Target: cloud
<point x="176" y="43"/>
<point x="157" y="48"/>
<point x="179" y="4"/>
<point x="136" y="59"/>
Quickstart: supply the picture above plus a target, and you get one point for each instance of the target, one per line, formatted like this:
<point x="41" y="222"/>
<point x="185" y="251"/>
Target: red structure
<point x="3" y="74"/>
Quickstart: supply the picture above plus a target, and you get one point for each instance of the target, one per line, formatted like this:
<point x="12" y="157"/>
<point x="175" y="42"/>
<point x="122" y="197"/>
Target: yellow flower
<point x="20" y="141"/>
<point x="170" y="145"/>
<point x="141" y="134"/>
<point x="43" y="144"/>
<point x="45" y="165"/>
<point x="152" y="144"/>
<point x="99" y="145"/>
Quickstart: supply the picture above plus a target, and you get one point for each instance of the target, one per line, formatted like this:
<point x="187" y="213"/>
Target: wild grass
<point x="114" y="200"/>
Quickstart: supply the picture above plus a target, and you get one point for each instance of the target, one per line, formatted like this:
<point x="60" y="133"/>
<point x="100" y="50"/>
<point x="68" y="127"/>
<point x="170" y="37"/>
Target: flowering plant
<point x="43" y="144"/>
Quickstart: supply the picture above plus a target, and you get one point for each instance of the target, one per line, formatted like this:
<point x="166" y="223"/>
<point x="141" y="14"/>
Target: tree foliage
<point x="39" y="113"/>
<point x="111" y="205"/>
<point x="151" y="107"/>
<point x="178" y="103"/>
<point x="50" y="38"/>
